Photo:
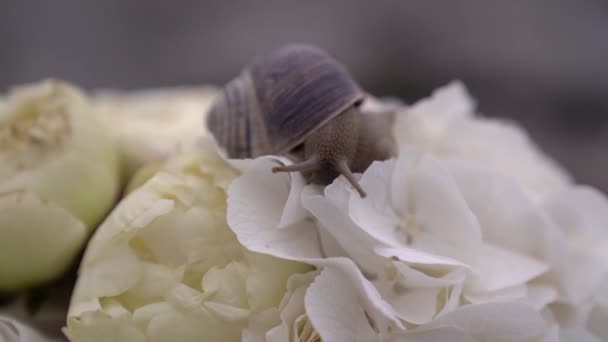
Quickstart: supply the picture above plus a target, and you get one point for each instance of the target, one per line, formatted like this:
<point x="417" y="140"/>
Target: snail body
<point x="299" y="101"/>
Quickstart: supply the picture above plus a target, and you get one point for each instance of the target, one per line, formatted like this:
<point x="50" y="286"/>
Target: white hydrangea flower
<point x="336" y="311"/>
<point x="164" y="266"/>
<point x="453" y="237"/>
<point x="446" y="125"/>
<point x="150" y="125"/>
<point x="59" y="175"/>
<point x="289" y="321"/>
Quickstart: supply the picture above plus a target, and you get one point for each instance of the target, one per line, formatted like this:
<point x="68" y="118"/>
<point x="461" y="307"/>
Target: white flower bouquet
<point x="470" y="233"/>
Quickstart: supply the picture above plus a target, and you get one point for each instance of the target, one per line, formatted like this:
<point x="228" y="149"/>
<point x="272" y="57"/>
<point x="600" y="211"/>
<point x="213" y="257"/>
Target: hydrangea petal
<point x="374" y="212"/>
<point x="417" y="297"/>
<point x="339" y="193"/>
<point x="333" y="308"/>
<point x="427" y="120"/>
<point x="292" y="211"/>
<point x="154" y="282"/>
<point x="354" y="241"/>
<point x="540" y="295"/>
<point x="438" y="275"/>
<point x="96" y="326"/>
<point x="507" y="215"/>
<point x="456" y="231"/>
<point x="508" y="294"/>
<point x="415" y="306"/>
<point x="255" y="222"/>
<point x="494" y="321"/>
<point x="446" y="125"/>
<point x="111" y="273"/>
<point x="581" y="213"/>
<point x="205" y="284"/>
<point x="418" y="257"/>
<point x="401" y="179"/>
<point x="377" y="308"/>
<point x="497" y="268"/>
<point x="260" y="326"/>
<point x="579" y="209"/>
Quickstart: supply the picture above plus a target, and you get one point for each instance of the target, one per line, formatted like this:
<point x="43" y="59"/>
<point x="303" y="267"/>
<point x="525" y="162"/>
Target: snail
<point x="300" y="102"/>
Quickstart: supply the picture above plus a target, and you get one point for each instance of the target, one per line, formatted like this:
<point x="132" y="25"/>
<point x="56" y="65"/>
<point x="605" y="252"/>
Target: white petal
<point x="266" y="278"/>
<point x="579" y="209"/>
<point x="154" y="282"/>
<point x="292" y="212"/>
<point x="425" y="122"/>
<point x="114" y="270"/>
<point x="292" y="305"/>
<point x="540" y="295"/>
<point x="581" y="213"/>
<point x="354" y="241"/>
<point x="494" y="321"/>
<point x="583" y="273"/>
<point x="279" y="334"/>
<point x="498" y="268"/>
<point x="508" y="217"/>
<point x="339" y="193"/>
<point x="416" y="296"/>
<point x="435" y="276"/>
<point x="451" y="99"/>
<point x="330" y="246"/>
<point x="400" y="188"/>
<point x="508" y="294"/>
<point x="260" y="324"/>
<point x="140" y="206"/>
<point x="377" y="308"/>
<point x="333" y="308"/>
<point x="456" y="232"/>
<point x="99" y="327"/>
<point x="374" y="213"/>
<point x="415" y="306"/>
<point x="418" y="257"/>
<point x="255" y="220"/>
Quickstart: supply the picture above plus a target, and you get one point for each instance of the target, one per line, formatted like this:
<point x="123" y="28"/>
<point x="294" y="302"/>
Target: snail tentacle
<point x="310" y="164"/>
<point x="344" y="170"/>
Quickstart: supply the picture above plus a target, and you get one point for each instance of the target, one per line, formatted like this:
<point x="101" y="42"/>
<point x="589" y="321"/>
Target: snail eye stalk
<point x="342" y="167"/>
<point x="311" y="164"/>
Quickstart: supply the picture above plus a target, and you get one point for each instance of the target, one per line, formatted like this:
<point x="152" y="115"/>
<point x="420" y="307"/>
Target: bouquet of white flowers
<point x="470" y="233"/>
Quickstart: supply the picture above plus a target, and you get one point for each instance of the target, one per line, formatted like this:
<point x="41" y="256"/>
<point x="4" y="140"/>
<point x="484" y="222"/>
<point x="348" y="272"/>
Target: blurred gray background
<point x="543" y="63"/>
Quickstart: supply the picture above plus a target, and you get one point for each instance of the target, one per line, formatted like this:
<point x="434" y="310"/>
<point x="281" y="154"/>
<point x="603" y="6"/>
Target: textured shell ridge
<point x="235" y="120"/>
<point x="300" y="88"/>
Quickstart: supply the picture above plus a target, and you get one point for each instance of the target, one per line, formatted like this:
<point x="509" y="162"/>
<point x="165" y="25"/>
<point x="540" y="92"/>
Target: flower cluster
<point x="164" y="266"/>
<point x="469" y="234"/>
<point x="153" y="124"/>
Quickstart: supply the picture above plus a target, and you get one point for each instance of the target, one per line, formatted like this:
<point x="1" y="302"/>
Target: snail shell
<point x="279" y="100"/>
<point x="299" y="95"/>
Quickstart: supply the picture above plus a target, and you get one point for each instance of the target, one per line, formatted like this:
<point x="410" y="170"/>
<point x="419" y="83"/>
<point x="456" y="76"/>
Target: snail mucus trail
<point x="300" y="102"/>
